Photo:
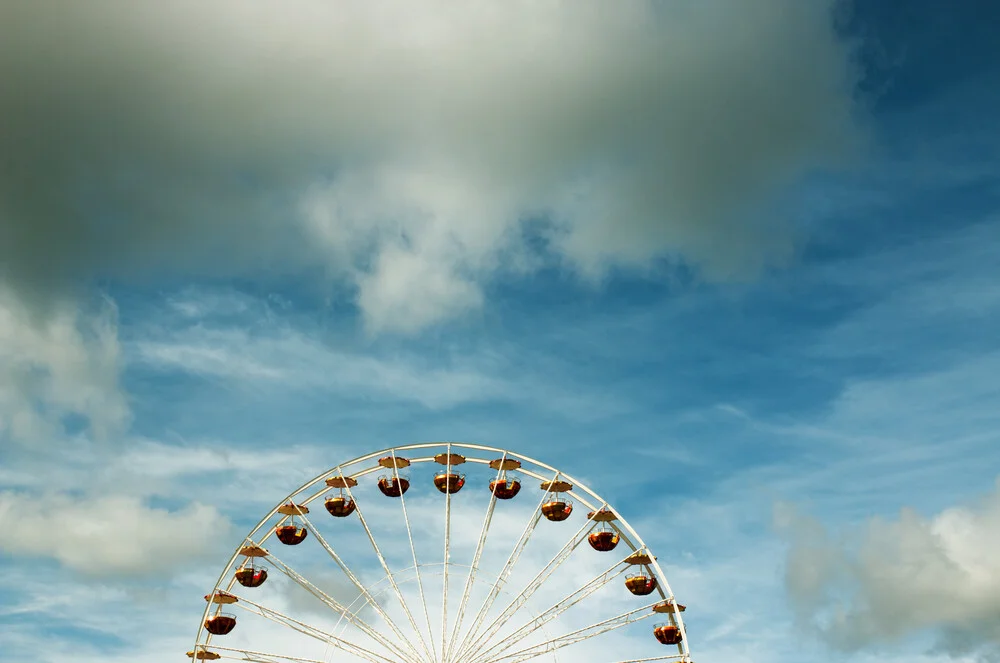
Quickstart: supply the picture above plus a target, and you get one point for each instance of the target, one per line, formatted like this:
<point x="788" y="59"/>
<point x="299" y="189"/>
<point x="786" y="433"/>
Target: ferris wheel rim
<point x="632" y="538"/>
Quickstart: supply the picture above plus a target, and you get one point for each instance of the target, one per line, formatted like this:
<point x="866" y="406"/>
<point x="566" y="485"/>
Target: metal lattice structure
<point x="414" y="612"/>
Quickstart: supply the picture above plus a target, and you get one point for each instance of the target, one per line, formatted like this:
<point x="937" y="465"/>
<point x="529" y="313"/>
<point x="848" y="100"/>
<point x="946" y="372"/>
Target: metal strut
<point x="580" y="635"/>
<point x="470" y="579"/>
<point x="558" y="608"/>
<point x="416" y="658"/>
<point x="311" y="631"/>
<point x="533" y="586"/>
<point x="413" y="552"/>
<point x="512" y="560"/>
<point x="389" y="575"/>
<point x="262" y="657"/>
<point x="337" y="607"/>
<point x="447" y="557"/>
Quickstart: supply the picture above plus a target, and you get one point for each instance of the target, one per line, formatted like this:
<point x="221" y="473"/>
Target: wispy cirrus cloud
<point x="276" y="355"/>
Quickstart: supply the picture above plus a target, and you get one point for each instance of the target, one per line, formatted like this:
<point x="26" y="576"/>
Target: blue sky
<point x="759" y="315"/>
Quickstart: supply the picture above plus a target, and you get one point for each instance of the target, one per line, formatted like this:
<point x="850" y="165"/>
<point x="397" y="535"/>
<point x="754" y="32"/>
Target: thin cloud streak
<point x="281" y="357"/>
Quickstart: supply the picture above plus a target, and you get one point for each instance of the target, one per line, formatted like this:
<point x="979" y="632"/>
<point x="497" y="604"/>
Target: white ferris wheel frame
<point x="478" y="647"/>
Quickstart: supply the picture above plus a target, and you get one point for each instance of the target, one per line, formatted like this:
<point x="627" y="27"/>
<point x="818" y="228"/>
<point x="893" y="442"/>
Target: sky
<point x="733" y="264"/>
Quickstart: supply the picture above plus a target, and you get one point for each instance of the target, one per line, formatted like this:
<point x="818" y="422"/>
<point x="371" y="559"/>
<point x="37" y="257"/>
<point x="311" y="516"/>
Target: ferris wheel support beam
<point x="389" y="575"/>
<point x="413" y="552"/>
<point x="311" y="631"/>
<point x="512" y="560"/>
<point x="337" y="607"/>
<point x="447" y="559"/>
<point x="471" y="577"/>
<point x="579" y="635"/>
<point x="533" y="586"/>
<point x="567" y="602"/>
<point x="415" y="658"/>
<point x="261" y="657"/>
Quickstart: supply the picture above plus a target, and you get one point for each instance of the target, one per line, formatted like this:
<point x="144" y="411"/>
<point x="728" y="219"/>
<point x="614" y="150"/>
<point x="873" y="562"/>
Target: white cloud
<point x="149" y="468"/>
<point x="897" y="578"/>
<point x="151" y="459"/>
<point x="408" y="292"/>
<point x="108" y="535"/>
<point x="292" y="360"/>
<point x="277" y="355"/>
<point x="53" y="367"/>
<point x="401" y="146"/>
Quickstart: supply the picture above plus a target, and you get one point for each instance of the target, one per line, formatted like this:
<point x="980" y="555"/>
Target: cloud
<point x="290" y="360"/>
<point x="65" y="365"/>
<point x="107" y="536"/>
<point x="406" y="149"/>
<point x="902" y="577"/>
<point x="276" y="355"/>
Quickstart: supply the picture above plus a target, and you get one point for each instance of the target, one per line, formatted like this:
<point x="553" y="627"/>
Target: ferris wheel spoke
<point x="536" y="583"/>
<point x="364" y="590"/>
<point x="337" y="607"/>
<point x="579" y="635"/>
<point x="260" y="656"/>
<point x="471" y="577"/>
<point x="390" y="577"/>
<point x="512" y="560"/>
<point x="670" y="657"/>
<point x="447" y="562"/>
<point x="567" y="602"/>
<point x="311" y="631"/>
<point x="413" y="553"/>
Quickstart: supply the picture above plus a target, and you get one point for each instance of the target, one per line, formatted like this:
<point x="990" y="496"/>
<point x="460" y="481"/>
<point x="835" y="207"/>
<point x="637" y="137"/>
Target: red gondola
<point x="557" y="508"/>
<point x="250" y="575"/>
<point x="291" y="534"/>
<point x="393" y="486"/>
<point x="340" y="507"/>
<point x="449" y="483"/>
<point x="668" y="634"/>
<point x="557" y="511"/>
<point x="640" y="585"/>
<point x="505" y="489"/>
<point x="220" y="624"/>
<point x="603" y="540"/>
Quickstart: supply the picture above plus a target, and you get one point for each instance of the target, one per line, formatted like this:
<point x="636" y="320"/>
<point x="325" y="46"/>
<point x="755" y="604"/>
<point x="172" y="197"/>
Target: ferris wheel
<point x="442" y="553"/>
